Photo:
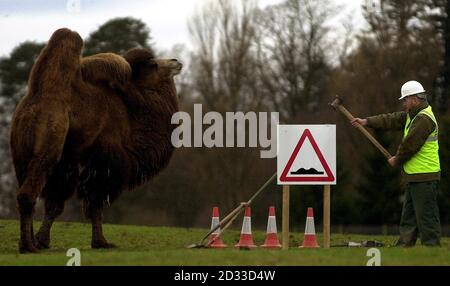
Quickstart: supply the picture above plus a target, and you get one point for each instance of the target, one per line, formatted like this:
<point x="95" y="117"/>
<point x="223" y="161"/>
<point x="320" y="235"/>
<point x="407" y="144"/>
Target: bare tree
<point x="224" y="76"/>
<point x="293" y="63"/>
<point x="224" y="59"/>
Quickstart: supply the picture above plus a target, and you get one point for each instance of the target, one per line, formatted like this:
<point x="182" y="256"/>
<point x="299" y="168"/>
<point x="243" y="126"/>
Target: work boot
<point x="432" y="244"/>
<point x="400" y="243"/>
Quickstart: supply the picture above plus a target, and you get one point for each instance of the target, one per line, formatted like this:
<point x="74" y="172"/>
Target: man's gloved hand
<point x="393" y="161"/>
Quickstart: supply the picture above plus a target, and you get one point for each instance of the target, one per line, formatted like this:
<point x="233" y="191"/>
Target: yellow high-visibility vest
<point x="426" y="160"/>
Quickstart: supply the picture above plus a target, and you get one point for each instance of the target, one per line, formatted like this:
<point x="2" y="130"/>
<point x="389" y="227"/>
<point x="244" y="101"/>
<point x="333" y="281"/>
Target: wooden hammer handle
<point x="365" y="132"/>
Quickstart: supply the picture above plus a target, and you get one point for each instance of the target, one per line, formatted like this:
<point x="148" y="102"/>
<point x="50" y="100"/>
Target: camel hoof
<point x="42" y="245"/>
<point x="102" y="244"/>
<point x="27" y="247"/>
<point x="41" y="242"/>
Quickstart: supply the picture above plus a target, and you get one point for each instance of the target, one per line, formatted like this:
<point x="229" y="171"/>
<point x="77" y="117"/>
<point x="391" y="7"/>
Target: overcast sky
<point x="35" y="20"/>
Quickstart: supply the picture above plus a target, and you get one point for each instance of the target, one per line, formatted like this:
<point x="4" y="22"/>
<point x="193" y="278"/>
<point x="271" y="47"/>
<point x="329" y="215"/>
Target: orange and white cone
<point x="310" y="240"/>
<point x="271" y="236"/>
<point x="218" y="243"/>
<point x="246" y="239"/>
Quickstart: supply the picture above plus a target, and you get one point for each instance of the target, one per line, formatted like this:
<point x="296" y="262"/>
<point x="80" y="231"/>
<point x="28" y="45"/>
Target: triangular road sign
<point x="285" y="177"/>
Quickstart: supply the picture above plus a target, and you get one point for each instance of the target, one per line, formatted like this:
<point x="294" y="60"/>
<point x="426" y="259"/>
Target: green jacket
<point x="419" y="131"/>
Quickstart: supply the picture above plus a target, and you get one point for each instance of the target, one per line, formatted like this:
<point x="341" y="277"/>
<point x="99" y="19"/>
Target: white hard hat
<point x="410" y="88"/>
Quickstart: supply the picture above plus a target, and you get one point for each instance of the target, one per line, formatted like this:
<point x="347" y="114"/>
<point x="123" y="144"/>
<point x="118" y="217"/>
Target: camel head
<point x="168" y="68"/>
<point x="149" y="71"/>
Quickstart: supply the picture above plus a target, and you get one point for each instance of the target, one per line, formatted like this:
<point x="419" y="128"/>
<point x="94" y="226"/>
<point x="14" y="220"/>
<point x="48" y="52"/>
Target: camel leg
<point x="26" y="200"/>
<point x="53" y="209"/>
<point x="47" y="149"/>
<point x="59" y="188"/>
<point x="94" y="212"/>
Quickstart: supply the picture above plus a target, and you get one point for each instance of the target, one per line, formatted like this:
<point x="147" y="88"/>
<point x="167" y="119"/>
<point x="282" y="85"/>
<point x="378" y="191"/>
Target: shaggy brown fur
<point x="106" y="68"/>
<point x="95" y="126"/>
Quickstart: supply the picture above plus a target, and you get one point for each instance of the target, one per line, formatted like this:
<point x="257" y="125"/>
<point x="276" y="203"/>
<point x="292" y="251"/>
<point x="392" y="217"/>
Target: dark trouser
<point x="420" y="214"/>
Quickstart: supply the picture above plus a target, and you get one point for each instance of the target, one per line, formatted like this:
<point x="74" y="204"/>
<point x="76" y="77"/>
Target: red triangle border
<point x="284" y="175"/>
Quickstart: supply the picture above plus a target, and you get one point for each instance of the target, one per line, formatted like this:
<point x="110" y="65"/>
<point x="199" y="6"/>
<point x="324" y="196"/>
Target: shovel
<point x="228" y="220"/>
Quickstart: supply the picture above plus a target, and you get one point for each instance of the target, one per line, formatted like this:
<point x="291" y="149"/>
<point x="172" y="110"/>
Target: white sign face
<point x="306" y="155"/>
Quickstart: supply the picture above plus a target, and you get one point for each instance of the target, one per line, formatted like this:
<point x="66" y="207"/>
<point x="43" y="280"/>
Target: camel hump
<point x="106" y="68"/>
<point x="59" y="61"/>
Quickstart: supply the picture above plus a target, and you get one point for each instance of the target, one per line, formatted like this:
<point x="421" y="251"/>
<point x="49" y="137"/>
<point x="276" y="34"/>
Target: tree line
<point x="293" y="57"/>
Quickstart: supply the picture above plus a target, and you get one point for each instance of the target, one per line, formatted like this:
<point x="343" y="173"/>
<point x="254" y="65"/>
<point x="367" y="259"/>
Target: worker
<point x="418" y="155"/>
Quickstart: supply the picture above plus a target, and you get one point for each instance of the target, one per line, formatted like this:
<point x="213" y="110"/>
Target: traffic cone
<point x="246" y="239"/>
<point x="310" y="240"/>
<point x="218" y="243"/>
<point x="271" y="236"/>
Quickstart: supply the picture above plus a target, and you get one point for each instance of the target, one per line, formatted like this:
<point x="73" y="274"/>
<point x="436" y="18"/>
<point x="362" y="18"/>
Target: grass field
<point x="141" y="245"/>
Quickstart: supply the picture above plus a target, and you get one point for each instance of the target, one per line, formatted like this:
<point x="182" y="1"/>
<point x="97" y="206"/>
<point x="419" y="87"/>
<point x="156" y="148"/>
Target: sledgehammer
<point x="337" y="105"/>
